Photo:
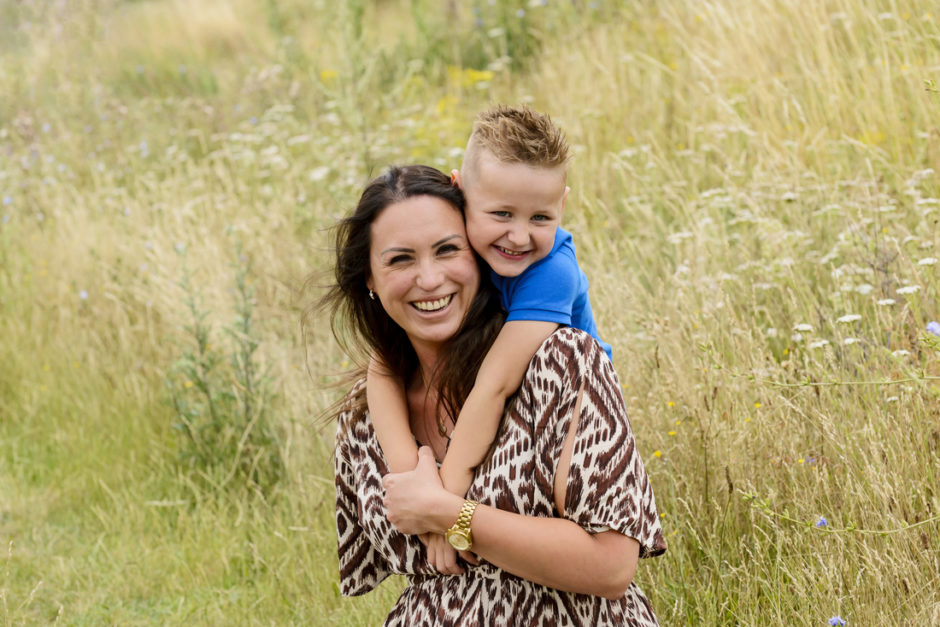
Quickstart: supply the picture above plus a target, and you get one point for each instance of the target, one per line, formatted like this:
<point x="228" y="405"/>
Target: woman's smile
<point x="433" y="306"/>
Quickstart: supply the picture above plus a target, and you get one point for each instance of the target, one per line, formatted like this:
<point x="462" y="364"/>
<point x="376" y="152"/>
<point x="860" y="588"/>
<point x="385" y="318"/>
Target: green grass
<point x="741" y="170"/>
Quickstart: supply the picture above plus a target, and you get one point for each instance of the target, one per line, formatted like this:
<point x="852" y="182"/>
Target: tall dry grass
<point x="754" y="200"/>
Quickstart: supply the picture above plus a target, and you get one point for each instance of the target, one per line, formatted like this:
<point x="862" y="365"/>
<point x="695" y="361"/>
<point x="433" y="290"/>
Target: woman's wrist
<point x="445" y="512"/>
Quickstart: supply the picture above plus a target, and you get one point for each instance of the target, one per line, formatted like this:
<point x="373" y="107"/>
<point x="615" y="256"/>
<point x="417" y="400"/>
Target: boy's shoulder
<point x="558" y="260"/>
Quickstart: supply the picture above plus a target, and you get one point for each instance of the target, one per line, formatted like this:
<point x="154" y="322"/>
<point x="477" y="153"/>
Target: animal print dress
<point x="607" y="489"/>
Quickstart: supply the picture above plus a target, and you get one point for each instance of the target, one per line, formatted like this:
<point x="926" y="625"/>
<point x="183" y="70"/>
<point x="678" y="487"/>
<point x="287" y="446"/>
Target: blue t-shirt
<point x="553" y="289"/>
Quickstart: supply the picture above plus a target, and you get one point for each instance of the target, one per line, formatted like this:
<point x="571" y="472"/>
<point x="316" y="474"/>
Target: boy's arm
<point x="388" y="409"/>
<point x="500" y="375"/>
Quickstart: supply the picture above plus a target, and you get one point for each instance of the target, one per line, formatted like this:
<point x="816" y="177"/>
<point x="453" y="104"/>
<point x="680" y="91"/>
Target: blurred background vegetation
<point x="753" y="199"/>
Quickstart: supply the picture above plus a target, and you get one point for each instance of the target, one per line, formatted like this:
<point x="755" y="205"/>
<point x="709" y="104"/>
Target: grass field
<point x="754" y="199"/>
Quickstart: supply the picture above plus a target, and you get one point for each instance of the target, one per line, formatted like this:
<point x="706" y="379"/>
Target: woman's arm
<point x="554" y="552"/>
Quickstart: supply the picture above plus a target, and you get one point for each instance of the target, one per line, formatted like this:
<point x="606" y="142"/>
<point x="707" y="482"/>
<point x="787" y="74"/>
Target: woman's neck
<point x="423" y="403"/>
<point x="427" y="363"/>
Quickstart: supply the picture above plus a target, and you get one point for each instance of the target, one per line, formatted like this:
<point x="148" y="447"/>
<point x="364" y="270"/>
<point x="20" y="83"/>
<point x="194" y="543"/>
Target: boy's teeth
<point x="514" y="253"/>
<point x="433" y="305"/>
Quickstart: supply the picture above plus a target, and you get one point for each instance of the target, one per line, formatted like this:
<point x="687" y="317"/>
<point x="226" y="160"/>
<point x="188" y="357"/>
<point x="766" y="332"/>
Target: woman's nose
<point x="430" y="276"/>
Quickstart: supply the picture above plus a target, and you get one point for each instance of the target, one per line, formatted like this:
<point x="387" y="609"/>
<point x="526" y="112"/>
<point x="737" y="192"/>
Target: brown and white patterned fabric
<point x="607" y="489"/>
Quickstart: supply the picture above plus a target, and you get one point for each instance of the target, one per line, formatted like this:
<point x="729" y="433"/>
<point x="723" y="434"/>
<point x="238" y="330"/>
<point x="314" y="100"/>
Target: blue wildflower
<point x="8" y="200"/>
<point x="253" y="120"/>
<point x="933" y="327"/>
<point x="836" y="621"/>
<point x="83" y="295"/>
<point x="822" y="522"/>
<point x="520" y="13"/>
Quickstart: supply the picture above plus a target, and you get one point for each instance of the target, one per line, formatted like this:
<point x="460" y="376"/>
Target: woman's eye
<point x="398" y="259"/>
<point x="447" y="248"/>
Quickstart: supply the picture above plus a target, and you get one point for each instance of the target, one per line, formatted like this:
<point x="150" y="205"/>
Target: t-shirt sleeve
<point x="547" y="291"/>
<point x="608" y="487"/>
<point x="361" y="567"/>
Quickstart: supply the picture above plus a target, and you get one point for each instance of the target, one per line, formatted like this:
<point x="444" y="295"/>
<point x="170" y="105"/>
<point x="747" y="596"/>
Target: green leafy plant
<point x="222" y="395"/>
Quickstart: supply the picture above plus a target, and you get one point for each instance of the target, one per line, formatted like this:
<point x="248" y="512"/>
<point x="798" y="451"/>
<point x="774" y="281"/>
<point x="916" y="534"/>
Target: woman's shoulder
<point x="353" y="408"/>
<point x="568" y="344"/>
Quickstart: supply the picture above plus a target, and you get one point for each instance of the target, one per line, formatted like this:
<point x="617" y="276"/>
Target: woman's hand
<point x="411" y="498"/>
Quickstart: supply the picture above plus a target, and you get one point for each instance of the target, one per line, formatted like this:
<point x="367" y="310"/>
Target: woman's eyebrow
<point x="397" y="250"/>
<point x="446" y="239"/>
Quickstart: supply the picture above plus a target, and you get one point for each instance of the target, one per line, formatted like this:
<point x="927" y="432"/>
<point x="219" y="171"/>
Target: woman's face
<point x="422" y="268"/>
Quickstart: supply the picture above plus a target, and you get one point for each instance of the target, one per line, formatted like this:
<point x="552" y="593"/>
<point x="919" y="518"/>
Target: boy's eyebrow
<point x="411" y="250"/>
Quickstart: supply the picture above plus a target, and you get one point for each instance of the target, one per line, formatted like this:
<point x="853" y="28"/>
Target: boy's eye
<point x="540" y="218"/>
<point x="501" y="214"/>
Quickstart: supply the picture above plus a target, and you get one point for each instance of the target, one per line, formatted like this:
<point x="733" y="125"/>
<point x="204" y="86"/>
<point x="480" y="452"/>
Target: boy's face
<point x="513" y="211"/>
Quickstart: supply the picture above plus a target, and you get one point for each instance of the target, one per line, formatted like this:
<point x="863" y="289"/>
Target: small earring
<point x="371" y="294"/>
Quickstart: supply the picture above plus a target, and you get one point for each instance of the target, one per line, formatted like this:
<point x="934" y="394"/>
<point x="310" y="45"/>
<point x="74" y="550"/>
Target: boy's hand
<point x="443" y="557"/>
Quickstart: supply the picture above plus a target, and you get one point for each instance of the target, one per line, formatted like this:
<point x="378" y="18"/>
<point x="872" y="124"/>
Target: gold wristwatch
<point x="459" y="535"/>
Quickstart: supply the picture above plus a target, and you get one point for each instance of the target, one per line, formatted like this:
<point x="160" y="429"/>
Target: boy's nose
<point x="518" y="235"/>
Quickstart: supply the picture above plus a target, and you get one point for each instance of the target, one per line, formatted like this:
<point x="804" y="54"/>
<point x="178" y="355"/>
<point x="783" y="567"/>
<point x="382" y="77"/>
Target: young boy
<point x="513" y="177"/>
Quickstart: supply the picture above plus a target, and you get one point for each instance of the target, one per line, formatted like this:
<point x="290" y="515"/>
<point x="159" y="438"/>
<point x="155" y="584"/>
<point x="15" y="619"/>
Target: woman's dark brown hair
<point x="361" y="323"/>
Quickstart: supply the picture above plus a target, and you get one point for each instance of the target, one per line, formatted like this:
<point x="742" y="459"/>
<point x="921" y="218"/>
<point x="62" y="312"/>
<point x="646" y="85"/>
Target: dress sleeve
<point x="608" y="487"/>
<point x="361" y="567"/>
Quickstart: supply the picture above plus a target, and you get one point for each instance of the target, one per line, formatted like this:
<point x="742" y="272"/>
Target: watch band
<point x="459" y="535"/>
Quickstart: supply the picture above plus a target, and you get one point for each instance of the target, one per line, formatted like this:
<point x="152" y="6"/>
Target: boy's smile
<point x="513" y="211"/>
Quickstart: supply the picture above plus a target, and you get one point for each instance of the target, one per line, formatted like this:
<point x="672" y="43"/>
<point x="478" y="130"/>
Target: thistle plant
<point x="222" y="395"/>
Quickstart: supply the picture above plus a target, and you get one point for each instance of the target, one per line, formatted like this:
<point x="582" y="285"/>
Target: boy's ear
<point x="455" y="179"/>
<point x="564" y="197"/>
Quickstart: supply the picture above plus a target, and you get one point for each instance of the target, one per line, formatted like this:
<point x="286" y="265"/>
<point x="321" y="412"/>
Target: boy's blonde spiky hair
<point x="518" y="135"/>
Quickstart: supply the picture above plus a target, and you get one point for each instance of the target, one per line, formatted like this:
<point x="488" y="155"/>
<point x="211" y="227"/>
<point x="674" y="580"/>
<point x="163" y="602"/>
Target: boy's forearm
<point x="472" y="437"/>
<point x="388" y="410"/>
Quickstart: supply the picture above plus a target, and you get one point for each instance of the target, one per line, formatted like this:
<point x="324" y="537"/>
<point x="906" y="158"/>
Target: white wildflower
<point x="675" y="238"/>
<point x="909" y="289"/>
<point x="892" y="399"/>
<point x="818" y="344"/>
<point x="864" y="288"/>
<point x="806" y="328"/>
<point x="771" y="332"/>
<point x="849" y="341"/>
<point x="901" y="353"/>
<point x="797" y="337"/>
<point x="318" y="174"/>
<point x="927" y="261"/>
<point x="884" y="302"/>
<point x="846" y="319"/>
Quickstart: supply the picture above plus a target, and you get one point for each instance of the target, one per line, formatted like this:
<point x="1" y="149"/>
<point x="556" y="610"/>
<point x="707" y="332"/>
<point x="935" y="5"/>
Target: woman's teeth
<point x="433" y="305"/>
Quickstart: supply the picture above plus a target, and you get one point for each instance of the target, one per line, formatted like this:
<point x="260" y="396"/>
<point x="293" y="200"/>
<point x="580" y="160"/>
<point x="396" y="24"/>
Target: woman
<point x="565" y="506"/>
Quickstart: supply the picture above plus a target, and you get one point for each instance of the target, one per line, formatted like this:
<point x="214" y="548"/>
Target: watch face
<point x="458" y="541"/>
